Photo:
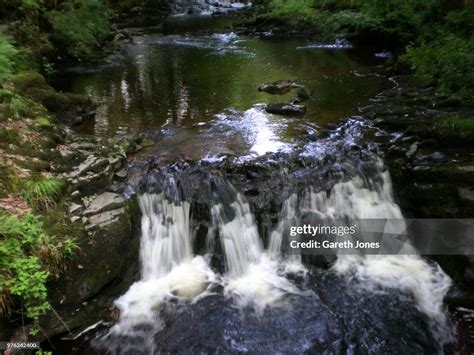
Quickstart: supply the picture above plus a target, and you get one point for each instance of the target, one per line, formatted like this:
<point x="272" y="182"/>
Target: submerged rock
<point x="279" y="87"/>
<point x="286" y="109"/>
<point x="303" y="95"/>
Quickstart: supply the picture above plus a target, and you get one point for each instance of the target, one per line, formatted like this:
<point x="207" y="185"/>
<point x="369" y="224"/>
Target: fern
<point x="8" y="52"/>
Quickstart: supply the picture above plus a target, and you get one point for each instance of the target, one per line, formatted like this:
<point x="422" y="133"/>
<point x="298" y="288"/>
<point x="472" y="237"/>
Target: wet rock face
<point x="336" y="317"/>
<point x="99" y="207"/>
<point x="430" y="160"/>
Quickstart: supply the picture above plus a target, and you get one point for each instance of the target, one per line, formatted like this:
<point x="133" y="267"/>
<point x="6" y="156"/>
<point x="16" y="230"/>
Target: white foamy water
<point x="337" y="44"/>
<point x="259" y="128"/>
<point x="411" y="274"/>
<point x="168" y="266"/>
<point x="257" y="277"/>
<point x="253" y="277"/>
<point x="207" y="7"/>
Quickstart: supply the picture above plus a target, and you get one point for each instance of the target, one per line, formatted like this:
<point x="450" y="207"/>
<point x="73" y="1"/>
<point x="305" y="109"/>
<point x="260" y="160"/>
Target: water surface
<point x="193" y="87"/>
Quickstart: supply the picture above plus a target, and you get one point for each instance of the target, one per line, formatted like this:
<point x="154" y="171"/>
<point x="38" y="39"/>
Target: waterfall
<point x="252" y="276"/>
<point x="206" y="6"/>
<point x="239" y="236"/>
<point x="166" y="239"/>
<point x="256" y="276"/>
<point x="168" y="267"/>
<point x="355" y="200"/>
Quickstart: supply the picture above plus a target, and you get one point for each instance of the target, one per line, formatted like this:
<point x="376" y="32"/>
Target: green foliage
<point x="41" y="193"/>
<point x="21" y="272"/>
<point x="437" y="34"/>
<point x="44" y="123"/>
<point x="447" y="62"/>
<point x="28" y="255"/>
<point x="8" y="52"/>
<point x="17" y="106"/>
<point x="458" y="124"/>
<point x="81" y="29"/>
<point x="48" y="69"/>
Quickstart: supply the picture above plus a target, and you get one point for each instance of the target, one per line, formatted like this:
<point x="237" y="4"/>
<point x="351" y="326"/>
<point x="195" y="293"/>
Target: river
<point x="215" y="274"/>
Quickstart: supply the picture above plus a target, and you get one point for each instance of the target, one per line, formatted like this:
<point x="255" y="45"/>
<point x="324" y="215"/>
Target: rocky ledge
<point x="105" y="214"/>
<point x="429" y="149"/>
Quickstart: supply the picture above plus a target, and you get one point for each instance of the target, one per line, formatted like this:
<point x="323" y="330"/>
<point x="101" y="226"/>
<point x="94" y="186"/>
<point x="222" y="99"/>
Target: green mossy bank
<point x="433" y="38"/>
<point x="51" y="244"/>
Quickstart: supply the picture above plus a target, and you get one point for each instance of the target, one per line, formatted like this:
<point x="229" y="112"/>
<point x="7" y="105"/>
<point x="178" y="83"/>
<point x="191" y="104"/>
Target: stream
<point x="228" y="182"/>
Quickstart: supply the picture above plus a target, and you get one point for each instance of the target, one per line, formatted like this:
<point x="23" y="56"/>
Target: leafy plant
<point x="17" y="106"/>
<point x="81" y="30"/>
<point x="447" y="62"/>
<point x="8" y="53"/>
<point x="28" y="256"/>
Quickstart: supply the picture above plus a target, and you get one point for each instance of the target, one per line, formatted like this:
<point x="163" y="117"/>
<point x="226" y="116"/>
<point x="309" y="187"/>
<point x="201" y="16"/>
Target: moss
<point x="27" y="80"/>
<point x="56" y="221"/>
<point x="8" y="136"/>
<point x="43" y="123"/>
<point x="454" y="129"/>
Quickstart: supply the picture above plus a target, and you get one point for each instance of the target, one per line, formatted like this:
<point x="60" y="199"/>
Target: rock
<point x="303" y="95"/>
<point x="74" y="209"/>
<point x="104" y="202"/>
<point x="466" y="195"/>
<point x="104" y="219"/>
<point x="121" y="174"/>
<point x="447" y="102"/>
<point x="74" y="219"/>
<point x="107" y="268"/>
<point x="279" y="87"/>
<point x="394" y="111"/>
<point x="412" y="150"/>
<point x="83" y="145"/>
<point x="286" y="109"/>
<point x="91" y="164"/>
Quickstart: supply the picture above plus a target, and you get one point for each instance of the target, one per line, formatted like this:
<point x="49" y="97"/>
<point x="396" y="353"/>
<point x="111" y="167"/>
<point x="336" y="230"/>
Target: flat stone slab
<point x="106" y="201"/>
<point x="104" y="219"/>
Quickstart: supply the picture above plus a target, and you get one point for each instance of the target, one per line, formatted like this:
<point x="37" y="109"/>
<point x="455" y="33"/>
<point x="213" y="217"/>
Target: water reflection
<point x="175" y="80"/>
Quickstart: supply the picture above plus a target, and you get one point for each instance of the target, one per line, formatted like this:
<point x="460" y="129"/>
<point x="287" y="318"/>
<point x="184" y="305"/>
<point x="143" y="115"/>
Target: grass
<point x="42" y="193"/>
<point x="458" y="123"/>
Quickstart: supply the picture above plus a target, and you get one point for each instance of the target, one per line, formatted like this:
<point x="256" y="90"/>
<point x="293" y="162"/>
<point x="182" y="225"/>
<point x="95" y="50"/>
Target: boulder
<point x="286" y="109"/>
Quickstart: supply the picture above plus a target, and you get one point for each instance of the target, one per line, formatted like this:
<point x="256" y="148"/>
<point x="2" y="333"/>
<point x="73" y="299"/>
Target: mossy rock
<point x="27" y="80"/>
<point x="68" y="107"/>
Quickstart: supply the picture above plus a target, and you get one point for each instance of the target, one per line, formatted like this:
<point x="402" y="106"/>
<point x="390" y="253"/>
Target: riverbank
<point x="61" y="201"/>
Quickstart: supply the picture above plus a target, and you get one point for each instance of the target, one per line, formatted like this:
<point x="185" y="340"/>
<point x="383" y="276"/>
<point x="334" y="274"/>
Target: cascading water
<point x="206" y="6"/>
<point x="252" y="274"/>
<point x="168" y="266"/>
<point x="257" y="275"/>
